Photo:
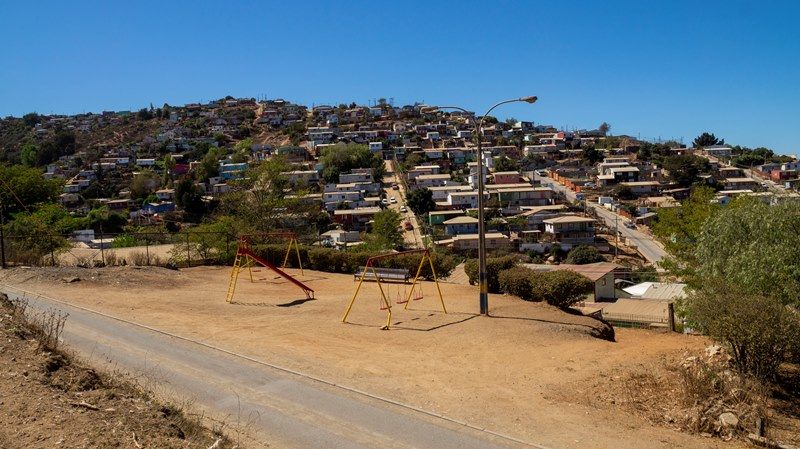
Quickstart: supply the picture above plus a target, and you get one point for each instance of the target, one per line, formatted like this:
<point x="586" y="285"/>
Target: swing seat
<point x="402" y="300"/>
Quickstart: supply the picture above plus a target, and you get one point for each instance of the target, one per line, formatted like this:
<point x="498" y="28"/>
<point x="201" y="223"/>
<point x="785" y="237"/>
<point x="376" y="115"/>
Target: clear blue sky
<point x="650" y="68"/>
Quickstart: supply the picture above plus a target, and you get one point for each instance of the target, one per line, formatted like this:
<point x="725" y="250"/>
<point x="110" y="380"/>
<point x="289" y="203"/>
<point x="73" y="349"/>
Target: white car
<point x="393" y="200"/>
<point x="403" y="209"/>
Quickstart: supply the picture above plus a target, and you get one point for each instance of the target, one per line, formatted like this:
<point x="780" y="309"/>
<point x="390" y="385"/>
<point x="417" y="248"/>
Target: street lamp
<point x="478" y="125"/>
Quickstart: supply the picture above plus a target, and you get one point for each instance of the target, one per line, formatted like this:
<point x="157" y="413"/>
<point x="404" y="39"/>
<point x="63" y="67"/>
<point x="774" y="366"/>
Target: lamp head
<point x="428" y="109"/>
<point x="532" y="99"/>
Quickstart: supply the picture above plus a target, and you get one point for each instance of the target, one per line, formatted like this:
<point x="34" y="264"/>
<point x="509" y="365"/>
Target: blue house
<point x="230" y="171"/>
<point x="461" y="225"/>
<point x="159" y="208"/>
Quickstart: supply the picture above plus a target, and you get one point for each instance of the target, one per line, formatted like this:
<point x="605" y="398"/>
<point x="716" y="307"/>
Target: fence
<point x="665" y="321"/>
<point x="182" y="249"/>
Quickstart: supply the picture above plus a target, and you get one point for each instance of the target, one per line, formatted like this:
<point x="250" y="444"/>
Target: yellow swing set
<point x="383" y="276"/>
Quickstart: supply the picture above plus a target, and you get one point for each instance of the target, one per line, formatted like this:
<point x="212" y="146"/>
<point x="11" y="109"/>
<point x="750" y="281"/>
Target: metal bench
<point x="382" y="274"/>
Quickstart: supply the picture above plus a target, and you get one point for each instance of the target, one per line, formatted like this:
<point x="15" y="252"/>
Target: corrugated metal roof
<point x="593" y="271"/>
<point x="637" y="308"/>
<point x="656" y="290"/>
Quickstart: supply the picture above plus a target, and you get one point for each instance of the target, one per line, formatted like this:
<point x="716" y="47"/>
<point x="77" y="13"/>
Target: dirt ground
<point x="84" y="255"/>
<point x="530" y="371"/>
<point x="49" y="400"/>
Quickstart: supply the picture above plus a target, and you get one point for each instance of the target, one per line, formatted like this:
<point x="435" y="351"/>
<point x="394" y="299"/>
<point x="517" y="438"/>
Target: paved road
<point x="645" y="244"/>
<point x="281" y="408"/>
<point x="412" y="238"/>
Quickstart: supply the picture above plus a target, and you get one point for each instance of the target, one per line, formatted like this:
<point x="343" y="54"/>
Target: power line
<point x="5" y="184"/>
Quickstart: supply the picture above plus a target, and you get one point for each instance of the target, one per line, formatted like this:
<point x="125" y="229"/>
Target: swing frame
<point x="246" y="258"/>
<point x="386" y="304"/>
<point x="246" y="239"/>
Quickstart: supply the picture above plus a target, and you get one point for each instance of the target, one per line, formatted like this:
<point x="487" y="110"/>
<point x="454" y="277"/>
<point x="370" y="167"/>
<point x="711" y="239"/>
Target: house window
<point x="604" y="282"/>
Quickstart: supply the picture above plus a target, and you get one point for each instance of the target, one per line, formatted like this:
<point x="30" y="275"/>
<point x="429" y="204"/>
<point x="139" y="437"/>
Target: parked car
<point x="403" y="209"/>
<point x="393" y="200"/>
<point x="395" y="187"/>
<point x="408" y="225"/>
<point x="630" y="225"/>
<point x="385" y="202"/>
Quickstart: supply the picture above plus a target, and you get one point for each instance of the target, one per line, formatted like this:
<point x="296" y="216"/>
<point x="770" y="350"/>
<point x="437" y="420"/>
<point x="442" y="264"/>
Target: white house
<point x="463" y="200"/>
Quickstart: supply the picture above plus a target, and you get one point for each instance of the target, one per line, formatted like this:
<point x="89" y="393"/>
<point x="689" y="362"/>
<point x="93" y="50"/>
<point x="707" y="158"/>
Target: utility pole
<point x="483" y="297"/>
<point x="616" y="234"/>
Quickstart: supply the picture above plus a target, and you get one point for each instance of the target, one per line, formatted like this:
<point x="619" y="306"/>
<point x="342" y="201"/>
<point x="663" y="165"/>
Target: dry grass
<point x="691" y="392"/>
<point x="51" y="399"/>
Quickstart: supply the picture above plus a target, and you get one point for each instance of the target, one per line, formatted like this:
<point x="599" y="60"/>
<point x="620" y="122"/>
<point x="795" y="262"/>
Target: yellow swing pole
<point x="436" y="281"/>
<point x="383" y="297"/>
<point x="353" y="299"/>
<point x="286" y="256"/>
<point x="249" y="262"/>
<point x="416" y="277"/>
<point x="299" y="260"/>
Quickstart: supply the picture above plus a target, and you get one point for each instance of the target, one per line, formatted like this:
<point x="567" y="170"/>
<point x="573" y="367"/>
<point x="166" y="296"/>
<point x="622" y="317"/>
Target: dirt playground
<point x="530" y="371"/>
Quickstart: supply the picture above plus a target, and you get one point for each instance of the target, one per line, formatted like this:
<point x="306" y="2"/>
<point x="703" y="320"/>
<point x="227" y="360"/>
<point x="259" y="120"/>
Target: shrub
<point x="494" y="265"/>
<point x="760" y="331"/>
<point x="517" y="281"/>
<point x="560" y="288"/>
<point x="125" y="241"/>
<point x="583" y="254"/>
<point x="563" y="288"/>
<point x="335" y="261"/>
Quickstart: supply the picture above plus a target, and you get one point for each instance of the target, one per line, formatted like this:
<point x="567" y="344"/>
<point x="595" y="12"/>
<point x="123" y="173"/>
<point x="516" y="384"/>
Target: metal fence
<point x="181" y="249"/>
<point x="639" y="321"/>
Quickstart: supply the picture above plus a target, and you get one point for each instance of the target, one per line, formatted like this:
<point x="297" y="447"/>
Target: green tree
<point x="591" y="155"/>
<point x="242" y="150"/>
<point x="749" y="158"/>
<point x="505" y="163"/>
<point x="262" y="201"/>
<point x="340" y="159"/>
<point x="23" y="188"/>
<point x="189" y="197"/>
<point x="560" y="288"/>
<point x="63" y="143"/>
<point x="102" y="218"/>
<point x="29" y="155"/>
<point x="583" y="254"/>
<point x="39" y="233"/>
<point x="31" y="119"/>
<point x="145" y="114"/>
<point x="685" y="169"/>
<point x="421" y="201"/>
<point x="760" y="332"/>
<point x="740" y="262"/>
<point x="385" y="231"/>
<point x="753" y="246"/>
<point x="169" y="166"/>
<point x="209" y="165"/>
<point x="296" y="131"/>
<point x="679" y="228"/>
<point x="143" y="184"/>
<point x="707" y="140"/>
<point x="624" y="193"/>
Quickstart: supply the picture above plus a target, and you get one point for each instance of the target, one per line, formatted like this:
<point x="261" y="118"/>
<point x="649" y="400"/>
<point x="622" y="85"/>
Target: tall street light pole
<point x="483" y="297"/>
